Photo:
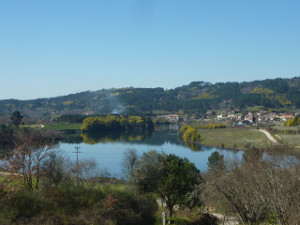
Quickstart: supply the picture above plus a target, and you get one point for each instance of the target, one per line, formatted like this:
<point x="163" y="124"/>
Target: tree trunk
<point x="30" y="183"/>
<point x="37" y="182"/>
<point x="170" y="210"/>
<point x="224" y="219"/>
<point x="37" y="177"/>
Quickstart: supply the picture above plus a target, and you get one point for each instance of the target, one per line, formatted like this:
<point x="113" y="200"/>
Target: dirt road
<point x="269" y="136"/>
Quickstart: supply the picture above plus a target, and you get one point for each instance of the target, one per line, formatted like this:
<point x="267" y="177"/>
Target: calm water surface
<point x="108" y="151"/>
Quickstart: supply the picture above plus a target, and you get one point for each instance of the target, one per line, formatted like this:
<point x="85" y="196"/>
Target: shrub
<point x="191" y="135"/>
<point x="29" y="204"/>
<point x="182" y="130"/>
<point x="127" y="208"/>
<point x="73" y="198"/>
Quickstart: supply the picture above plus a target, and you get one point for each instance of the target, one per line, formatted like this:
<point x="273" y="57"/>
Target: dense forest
<point x="197" y="97"/>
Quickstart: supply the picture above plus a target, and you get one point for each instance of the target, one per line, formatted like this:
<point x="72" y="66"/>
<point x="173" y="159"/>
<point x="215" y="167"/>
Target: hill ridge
<point x="198" y="97"/>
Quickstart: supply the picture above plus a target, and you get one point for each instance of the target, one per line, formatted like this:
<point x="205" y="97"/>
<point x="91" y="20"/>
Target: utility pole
<point x="77" y="167"/>
<point x="77" y="152"/>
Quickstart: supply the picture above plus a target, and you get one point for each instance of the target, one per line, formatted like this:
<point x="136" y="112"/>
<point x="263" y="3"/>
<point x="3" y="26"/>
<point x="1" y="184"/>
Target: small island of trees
<point x="114" y="122"/>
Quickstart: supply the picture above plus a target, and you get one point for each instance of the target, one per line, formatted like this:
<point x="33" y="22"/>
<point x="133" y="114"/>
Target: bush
<point x="126" y="208"/>
<point x="293" y="122"/>
<point x="182" y="130"/>
<point x="191" y="136"/>
<point x="73" y="198"/>
<point x="78" y="205"/>
<point x="29" y="204"/>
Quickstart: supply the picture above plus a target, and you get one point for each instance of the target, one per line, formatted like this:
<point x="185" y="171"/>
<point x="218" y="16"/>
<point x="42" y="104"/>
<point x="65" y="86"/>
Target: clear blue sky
<point x="57" y="47"/>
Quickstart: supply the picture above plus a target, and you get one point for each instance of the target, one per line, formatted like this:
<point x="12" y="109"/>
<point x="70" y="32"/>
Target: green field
<point x="289" y="139"/>
<point x="71" y="126"/>
<point x="235" y="138"/>
<point x="286" y="130"/>
<point x="287" y="135"/>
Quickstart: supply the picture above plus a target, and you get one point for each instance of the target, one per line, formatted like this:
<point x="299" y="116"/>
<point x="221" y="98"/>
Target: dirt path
<point x="229" y="220"/>
<point x="8" y="173"/>
<point x="4" y="173"/>
<point x="269" y="136"/>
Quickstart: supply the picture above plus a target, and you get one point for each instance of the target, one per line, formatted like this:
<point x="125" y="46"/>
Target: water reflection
<point x="113" y="136"/>
<point x="161" y="136"/>
<point x="74" y="138"/>
<point x="193" y="146"/>
<point x="107" y="149"/>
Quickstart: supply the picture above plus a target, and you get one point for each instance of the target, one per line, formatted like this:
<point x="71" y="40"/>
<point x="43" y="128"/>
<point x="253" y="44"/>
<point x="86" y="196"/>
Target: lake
<point x="108" y="149"/>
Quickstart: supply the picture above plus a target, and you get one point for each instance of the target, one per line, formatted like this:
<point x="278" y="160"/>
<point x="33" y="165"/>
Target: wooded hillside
<point x="197" y="97"/>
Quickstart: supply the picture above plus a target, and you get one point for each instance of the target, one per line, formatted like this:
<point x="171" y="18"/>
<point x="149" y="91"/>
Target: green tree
<point x="16" y="118"/>
<point x="7" y="139"/>
<point x="147" y="172"/>
<point x="129" y="162"/>
<point x="179" y="177"/>
<point x="32" y="148"/>
<point x="215" y="160"/>
<point x="171" y="177"/>
<point x="190" y="136"/>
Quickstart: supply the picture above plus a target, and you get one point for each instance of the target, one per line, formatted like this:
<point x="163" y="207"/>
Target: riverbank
<point x="231" y="138"/>
<point x="63" y="127"/>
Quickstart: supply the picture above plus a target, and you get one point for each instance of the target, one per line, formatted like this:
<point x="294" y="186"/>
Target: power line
<point x="77" y="152"/>
<point x="77" y="168"/>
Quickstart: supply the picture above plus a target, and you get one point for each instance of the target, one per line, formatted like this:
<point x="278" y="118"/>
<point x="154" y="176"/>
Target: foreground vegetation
<point x="73" y="204"/>
<point x="40" y="186"/>
<point x="261" y="189"/>
<point x="72" y="194"/>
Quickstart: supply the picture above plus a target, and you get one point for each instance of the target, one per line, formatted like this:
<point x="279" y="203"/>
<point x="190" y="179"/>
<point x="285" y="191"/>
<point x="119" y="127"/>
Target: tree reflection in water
<point x="156" y="138"/>
<point x="113" y="136"/>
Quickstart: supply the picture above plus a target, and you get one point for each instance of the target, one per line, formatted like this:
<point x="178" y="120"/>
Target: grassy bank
<point x="235" y="138"/>
<point x="61" y="127"/>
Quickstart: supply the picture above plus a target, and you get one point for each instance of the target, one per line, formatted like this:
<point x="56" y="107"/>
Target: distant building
<point x="238" y="125"/>
<point x="219" y="117"/>
<point x="173" y="117"/>
<point x="89" y="113"/>
<point x="288" y="117"/>
<point x="249" y="117"/>
<point x="236" y="110"/>
<point x="246" y="122"/>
